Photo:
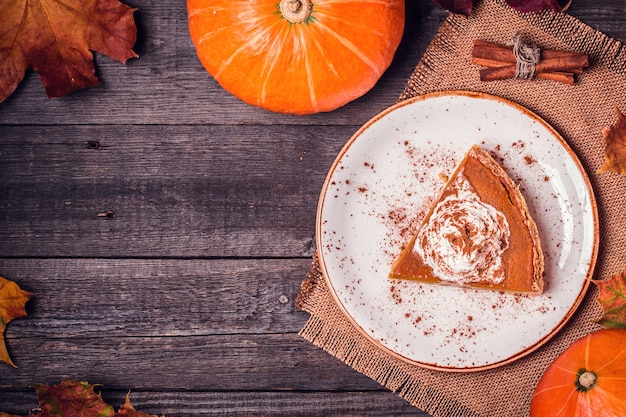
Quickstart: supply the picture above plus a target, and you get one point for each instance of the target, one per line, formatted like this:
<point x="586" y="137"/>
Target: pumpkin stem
<point x="295" y="11"/>
<point x="587" y="380"/>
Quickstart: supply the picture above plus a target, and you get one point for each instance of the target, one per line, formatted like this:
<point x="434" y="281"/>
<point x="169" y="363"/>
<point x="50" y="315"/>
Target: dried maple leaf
<point x="615" y="148"/>
<point x="77" y="399"/>
<point x="72" y="399"/>
<point x="612" y="298"/>
<point x="56" y="38"/>
<point x="12" y="302"/>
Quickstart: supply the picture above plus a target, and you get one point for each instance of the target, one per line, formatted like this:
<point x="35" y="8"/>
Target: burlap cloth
<point x="579" y="113"/>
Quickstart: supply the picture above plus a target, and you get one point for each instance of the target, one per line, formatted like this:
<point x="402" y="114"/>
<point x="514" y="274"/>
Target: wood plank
<point x="607" y="16"/>
<point x="167" y="84"/>
<point x="237" y="362"/>
<point x="175" y="191"/>
<point x="235" y="404"/>
<point x="112" y="298"/>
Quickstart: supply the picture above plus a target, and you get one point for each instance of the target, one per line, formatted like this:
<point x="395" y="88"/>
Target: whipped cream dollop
<point x="464" y="238"/>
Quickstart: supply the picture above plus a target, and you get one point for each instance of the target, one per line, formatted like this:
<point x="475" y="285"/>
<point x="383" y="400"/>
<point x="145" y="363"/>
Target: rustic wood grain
<point x="184" y="292"/>
<point x="230" y="362"/>
<point x="113" y="298"/>
<point x="176" y="191"/>
<point x="250" y="404"/>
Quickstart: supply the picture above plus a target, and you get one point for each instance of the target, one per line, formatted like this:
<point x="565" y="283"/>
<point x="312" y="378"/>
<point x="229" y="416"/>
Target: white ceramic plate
<point x="379" y="189"/>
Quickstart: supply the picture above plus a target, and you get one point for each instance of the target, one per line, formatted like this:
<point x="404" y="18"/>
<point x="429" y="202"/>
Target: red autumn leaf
<point x="538" y="5"/>
<point x="77" y="399"/>
<point x="12" y="302"/>
<point x="615" y="146"/>
<point x="612" y="298"/>
<point x="56" y="38"/>
<point x="72" y="399"/>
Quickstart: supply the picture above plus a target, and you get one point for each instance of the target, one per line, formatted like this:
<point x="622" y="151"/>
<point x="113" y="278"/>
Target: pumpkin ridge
<point x="587" y="352"/>
<point x="268" y="69"/>
<point x="209" y="35"/>
<point x="229" y="60"/>
<point x="551" y="388"/>
<point x="620" y="354"/>
<point x="245" y="45"/>
<point x="365" y="28"/>
<point x="328" y="62"/>
<point x="603" y="400"/>
<point x="243" y="20"/>
<point x="351" y="47"/>
<point x="212" y="10"/>
<point x="268" y="65"/>
<point x="205" y="10"/>
<point x="309" y="74"/>
<point x="587" y="399"/>
<point x="563" y="407"/>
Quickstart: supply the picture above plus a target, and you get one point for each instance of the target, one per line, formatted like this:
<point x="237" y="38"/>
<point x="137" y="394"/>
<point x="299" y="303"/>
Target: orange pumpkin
<point x="587" y="380"/>
<point x="296" y="56"/>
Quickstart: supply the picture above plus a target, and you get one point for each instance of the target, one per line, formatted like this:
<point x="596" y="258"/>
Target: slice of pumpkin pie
<point x="478" y="233"/>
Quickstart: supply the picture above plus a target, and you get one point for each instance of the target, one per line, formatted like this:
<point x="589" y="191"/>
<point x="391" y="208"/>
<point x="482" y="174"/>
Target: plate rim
<point x="594" y="212"/>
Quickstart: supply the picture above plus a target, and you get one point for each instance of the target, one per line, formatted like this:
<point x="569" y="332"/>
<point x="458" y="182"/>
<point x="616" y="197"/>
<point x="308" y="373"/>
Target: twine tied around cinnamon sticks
<point x="521" y="60"/>
<point x="527" y="57"/>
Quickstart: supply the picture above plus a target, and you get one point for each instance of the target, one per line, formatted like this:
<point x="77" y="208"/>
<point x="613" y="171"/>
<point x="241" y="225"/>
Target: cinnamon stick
<point x="501" y="63"/>
<point x="550" y="63"/>
<point x="571" y="64"/>
<point x="563" y="77"/>
<point x="501" y="53"/>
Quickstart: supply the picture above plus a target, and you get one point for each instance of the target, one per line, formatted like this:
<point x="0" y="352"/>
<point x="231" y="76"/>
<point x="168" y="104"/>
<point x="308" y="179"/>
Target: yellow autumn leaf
<point x="612" y="298"/>
<point x="12" y="305"/>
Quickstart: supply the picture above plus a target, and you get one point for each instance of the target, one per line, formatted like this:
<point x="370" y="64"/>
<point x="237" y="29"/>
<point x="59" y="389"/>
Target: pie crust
<point x="478" y="233"/>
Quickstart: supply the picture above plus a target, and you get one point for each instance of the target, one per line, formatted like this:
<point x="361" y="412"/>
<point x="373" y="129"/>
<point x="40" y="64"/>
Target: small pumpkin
<point x="587" y="380"/>
<point x="296" y="56"/>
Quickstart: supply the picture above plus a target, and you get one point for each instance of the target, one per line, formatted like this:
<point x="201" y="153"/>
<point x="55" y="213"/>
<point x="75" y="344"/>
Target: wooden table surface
<point x="185" y="296"/>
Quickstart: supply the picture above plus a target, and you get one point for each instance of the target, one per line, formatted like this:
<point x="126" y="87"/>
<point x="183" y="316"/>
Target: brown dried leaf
<point x="12" y="305"/>
<point x="615" y="146"/>
<point x="73" y="398"/>
<point x="56" y="38"/>
<point x="612" y="298"/>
